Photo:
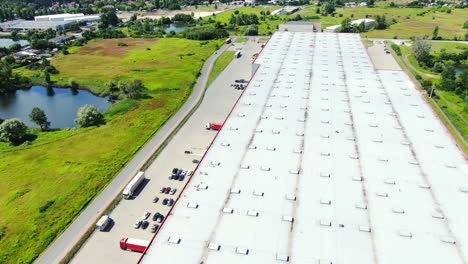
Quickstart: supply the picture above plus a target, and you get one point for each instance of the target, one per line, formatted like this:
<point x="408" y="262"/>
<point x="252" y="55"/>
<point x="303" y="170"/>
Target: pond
<point x="5" y="43"/>
<point x="173" y="27"/>
<point x="59" y="104"/>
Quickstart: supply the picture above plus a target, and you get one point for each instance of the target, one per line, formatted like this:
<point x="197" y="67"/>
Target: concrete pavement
<point x="64" y="243"/>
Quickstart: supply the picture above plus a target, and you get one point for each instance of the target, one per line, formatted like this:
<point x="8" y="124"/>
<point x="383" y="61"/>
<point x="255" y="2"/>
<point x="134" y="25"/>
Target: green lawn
<point x="46" y="184"/>
<point x="220" y="64"/>
<point x="448" y="46"/>
<point x="241" y="40"/>
<point x="408" y="22"/>
<point x="454" y="107"/>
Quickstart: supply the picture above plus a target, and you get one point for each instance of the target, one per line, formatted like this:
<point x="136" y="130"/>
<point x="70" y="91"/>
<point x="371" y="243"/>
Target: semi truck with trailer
<point x="213" y="126"/>
<point x="133" y="185"/>
<point x="133" y="244"/>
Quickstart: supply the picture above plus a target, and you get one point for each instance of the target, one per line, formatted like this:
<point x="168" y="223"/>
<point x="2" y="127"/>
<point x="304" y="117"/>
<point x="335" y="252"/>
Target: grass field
<point x="241" y="40"/>
<point x="220" y="64"/>
<point x="448" y="46"/>
<point x="408" y="22"/>
<point x="46" y="184"/>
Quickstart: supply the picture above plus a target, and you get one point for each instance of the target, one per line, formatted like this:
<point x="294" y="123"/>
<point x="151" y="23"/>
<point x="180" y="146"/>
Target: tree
<point x="13" y="130"/>
<point x="134" y="89"/>
<point x="462" y="80"/>
<point x="435" y="33"/>
<point x="39" y="117"/>
<point x="89" y="115"/>
<point x="447" y="78"/>
<point x="422" y="49"/>
<point x="380" y="22"/>
<point x="328" y="7"/>
<point x="346" y="25"/>
<point x="251" y="30"/>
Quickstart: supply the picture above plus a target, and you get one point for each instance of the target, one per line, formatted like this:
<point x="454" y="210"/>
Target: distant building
<point x="34" y="25"/>
<point x="57" y="17"/>
<point x="61" y="39"/>
<point x="285" y="10"/>
<point x="369" y="23"/>
<point x="301" y="26"/>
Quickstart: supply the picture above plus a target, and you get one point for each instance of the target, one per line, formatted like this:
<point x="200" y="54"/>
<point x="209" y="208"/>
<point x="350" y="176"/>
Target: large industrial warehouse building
<point x="324" y="159"/>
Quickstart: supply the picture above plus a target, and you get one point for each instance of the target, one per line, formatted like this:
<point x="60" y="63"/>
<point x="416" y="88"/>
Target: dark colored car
<point x="160" y="218"/>
<point x="170" y="202"/>
<point x="165" y="201"/>
<point x="181" y="178"/>
<point x="174" y="170"/>
<point x="167" y="190"/>
<point x="156" y="216"/>
<point x="154" y="228"/>
<point x="173" y="177"/>
<point x="155" y="199"/>
<point x="179" y="172"/>
<point x="145" y="224"/>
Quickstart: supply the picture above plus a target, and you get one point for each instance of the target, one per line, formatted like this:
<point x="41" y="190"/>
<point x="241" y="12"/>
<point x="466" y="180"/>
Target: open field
<point x="220" y="64"/>
<point x="144" y="59"/>
<point x="448" y="46"/>
<point x="408" y="22"/>
<point x="46" y="184"/>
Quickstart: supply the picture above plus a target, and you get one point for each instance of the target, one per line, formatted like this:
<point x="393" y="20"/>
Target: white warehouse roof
<point x="57" y="17"/>
<point x="328" y="161"/>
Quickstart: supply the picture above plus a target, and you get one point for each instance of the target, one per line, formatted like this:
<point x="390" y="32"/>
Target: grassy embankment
<point x="220" y="64"/>
<point x="46" y="184"/>
<point x="450" y="107"/>
<point x="409" y="23"/>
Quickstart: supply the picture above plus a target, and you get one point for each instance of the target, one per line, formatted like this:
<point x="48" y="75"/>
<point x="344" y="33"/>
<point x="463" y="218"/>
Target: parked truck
<point x="133" y="184"/>
<point x="228" y="41"/>
<point x="237" y="55"/>
<point x="133" y="244"/>
<point x="213" y="126"/>
<point x="103" y="222"/>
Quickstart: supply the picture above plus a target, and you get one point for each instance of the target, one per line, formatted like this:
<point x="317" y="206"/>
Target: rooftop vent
<point x="235" y="190"/>
<point x="263" y="117"/>
<point x="258" y="130"/>
<point x="294" y="171"/>
<point x="275" y="131"/>
<point x="300" y="133"/>
<point x="225" y="144"/>
<point x="252" y="213"/>
<point x="405" y="233"/>
<point x="325" y="136"/>
<point x="241" y="115"/>
<point x="325" y="174"/>
<point x="398" y="210"/>
<point x="361" y="206"/>
<point x="464" y="189"/>
<point x="258" y="193"/>
<point x="228" y="210"/>
<point x="288" y="218"/>
<point x="252" y="147"/>
<point x="381" y="194"/>
<point x="233" y="128"/>
<point x="423" y="185"/>
<point x="297" y="150"/>
<point x="437" y="215"/>
<point x="448" y="239"/>
<point x="213" y="246"/>
<point x="215" y="163"/>
<point x="353" y="156"/>
<point x="244" y="166"/>
<point x="325" y="154"/>
<point x="290" y="197"/>
<point x="357" y="178"/>
<point x="242" y="250"/>
<point x="202" y="186"/>
<point x="450" y="165"/>
<point x="384" y="159"/>
<point x="365" y="228"/>
<point x="282" y="257"/>
<point x="325" y="201"/>
<point x="174" y="240"/>
<point x="325" y="109"/>
<point x="192" y="205"/>
<point x="325" y="222"/>
<point x="390" y="181"/>
<point x="265" y="168"/>
<point x="413" y="162"/>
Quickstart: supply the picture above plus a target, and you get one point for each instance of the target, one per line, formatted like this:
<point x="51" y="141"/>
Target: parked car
<point x="167" y="190"/>
<point x="144" y="225"/>
<point x="155" y="199"/>
<point x="156" y="216"/>
<point x="154" y="228"/>
<point x="174" y="170"/>
<point x="173" y="191"/>
<point x="145" y="215"/>
<point x="388" y="52"/>
<point x="162" y="190"/>
<point x="184" y="172"/>
<point x="137" y="224"/>
<point x="179" y="172"/>
<point x="165" y="201"/>
<point x="160" y="218"/>
<point x="181" y="178"/>
<point x="170" y="202"/>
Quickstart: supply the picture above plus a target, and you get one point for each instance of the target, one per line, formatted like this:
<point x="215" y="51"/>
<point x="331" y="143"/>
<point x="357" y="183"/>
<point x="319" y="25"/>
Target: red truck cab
<point x="213" y="126"/>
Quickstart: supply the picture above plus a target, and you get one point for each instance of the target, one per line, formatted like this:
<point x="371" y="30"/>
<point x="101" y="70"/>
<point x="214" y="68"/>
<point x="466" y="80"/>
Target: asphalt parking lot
<point x="103" y="247"/>
<point x="381" y="59"/>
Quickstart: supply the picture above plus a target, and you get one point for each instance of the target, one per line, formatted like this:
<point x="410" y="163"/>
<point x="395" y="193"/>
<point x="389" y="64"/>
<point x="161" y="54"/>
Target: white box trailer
<point x="133" y="184"/>
<point x="103" y="222"/>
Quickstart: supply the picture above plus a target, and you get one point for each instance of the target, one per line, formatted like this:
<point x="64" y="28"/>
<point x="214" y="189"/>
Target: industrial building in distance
<point x="323" y="159"/>
<point x="56" y="22"/>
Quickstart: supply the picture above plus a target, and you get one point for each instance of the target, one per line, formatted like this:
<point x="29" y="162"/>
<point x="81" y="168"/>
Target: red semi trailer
<point x="213" y="126"/>
<point x="133" y="244"/>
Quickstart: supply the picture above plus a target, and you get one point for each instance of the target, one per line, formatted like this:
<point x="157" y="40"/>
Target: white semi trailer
<point x="133" y="184"/>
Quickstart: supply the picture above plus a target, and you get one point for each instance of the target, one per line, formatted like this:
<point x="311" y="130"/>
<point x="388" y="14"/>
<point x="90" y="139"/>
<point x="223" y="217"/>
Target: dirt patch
<point x="154" y="104"/>
<point x="110" y="47"/>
